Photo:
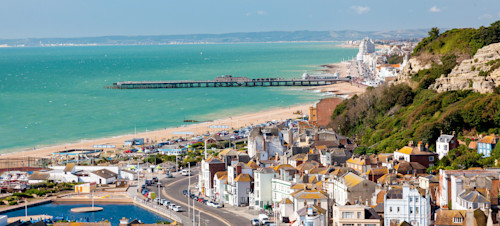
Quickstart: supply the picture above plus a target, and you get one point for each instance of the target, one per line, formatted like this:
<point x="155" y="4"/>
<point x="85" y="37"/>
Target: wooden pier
<point x="227" y="81"/>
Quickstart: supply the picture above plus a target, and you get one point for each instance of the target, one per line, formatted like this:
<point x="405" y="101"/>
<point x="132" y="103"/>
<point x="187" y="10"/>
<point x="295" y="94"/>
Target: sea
<point x="57" y="95"/>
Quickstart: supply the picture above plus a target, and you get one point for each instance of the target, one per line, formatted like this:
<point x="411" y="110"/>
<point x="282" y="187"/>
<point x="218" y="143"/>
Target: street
<point x="209" y="215"/>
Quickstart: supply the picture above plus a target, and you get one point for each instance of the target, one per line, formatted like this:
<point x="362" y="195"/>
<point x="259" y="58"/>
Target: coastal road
<point x="175" y="186"/>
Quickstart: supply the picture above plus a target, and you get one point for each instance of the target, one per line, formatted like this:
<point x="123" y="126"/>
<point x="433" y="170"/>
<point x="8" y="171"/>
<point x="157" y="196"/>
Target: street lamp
<point x="159" y="191"/>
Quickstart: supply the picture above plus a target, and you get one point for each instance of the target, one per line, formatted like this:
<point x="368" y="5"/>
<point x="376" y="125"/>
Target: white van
<point x="186" y="172"/>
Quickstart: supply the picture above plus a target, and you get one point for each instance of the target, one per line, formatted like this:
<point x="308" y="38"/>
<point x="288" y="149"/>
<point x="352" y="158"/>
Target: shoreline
<point x="236" y="121"/>
<point x="339" y="90"/>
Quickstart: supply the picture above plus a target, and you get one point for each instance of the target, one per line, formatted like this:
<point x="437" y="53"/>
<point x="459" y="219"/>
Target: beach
<point x="167" y="133"/>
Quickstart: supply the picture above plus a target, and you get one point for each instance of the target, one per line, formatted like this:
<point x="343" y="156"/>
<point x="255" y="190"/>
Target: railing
<point x="160" y="208"/>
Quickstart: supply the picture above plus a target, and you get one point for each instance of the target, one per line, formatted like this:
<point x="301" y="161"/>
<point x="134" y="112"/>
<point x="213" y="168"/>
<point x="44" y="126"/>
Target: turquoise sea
<point x="54" y="95"/>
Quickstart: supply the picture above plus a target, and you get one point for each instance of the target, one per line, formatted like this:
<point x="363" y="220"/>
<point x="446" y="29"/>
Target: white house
<point x="220" y="178"/>
<point x="239" y="190"/>
<point x="263" y="192"/>
<point x="406" y="204"/>
<point x="268" y="140"/>
<point x="445" y="143"/>
<point x="172" y="150"/>
<point x="128" y="175"/>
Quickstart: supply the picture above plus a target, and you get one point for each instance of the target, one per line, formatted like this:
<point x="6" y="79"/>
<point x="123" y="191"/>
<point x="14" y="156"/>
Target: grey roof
<point x="104" y="173"/>
<point x="266" y="170"/>
<point x="445" y="138"/>
<point x="39" y="176"/>
<point x="474" y="196"/>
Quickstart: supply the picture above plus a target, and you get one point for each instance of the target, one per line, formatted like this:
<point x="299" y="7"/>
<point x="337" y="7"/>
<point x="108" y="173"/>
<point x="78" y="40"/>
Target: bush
<point x="11" y="203"/>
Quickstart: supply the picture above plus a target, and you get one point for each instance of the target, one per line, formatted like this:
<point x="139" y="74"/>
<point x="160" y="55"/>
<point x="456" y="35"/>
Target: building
<point x="453" y="182"/>
<point x="103" y="176"/>
<point x="445" y="143"/>
<point x="220" y="179"/>
<point x="351" y="188"/>
<point x="321" y="113"/>
<point x="419" y="153"/>
<point x="265" y="140"/>
<point x="355" y="215"/>
<point x="413" y="168"/>
<point x="335" y="157"/>
<point x="309" y="215"/>
<point x="172" y="150"/>
<point x="281" y="186"/>
<point x="85" y="188"/>
<point x="208" y="169"/>
<point x="238" y="184"/>
<point x="363" y="163"/>
<point x="445" y="217"/>
<point x="407" y="204"/>
<point x="304" y="197"/>
<point x="134" y="141"/>
<point x="486" y="145"/>
<point x="263" y="190"/>
<point x="365" y="47"/>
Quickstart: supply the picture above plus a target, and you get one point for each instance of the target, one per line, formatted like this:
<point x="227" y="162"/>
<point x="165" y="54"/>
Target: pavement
<point x="215" y="216"/>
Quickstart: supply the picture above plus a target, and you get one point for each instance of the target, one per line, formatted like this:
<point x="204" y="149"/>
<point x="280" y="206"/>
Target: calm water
<point x="111" y="212"/>
<point x="56" y="95"/>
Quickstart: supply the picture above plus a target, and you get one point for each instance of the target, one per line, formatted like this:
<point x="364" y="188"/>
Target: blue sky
<point x="84" y="18"/>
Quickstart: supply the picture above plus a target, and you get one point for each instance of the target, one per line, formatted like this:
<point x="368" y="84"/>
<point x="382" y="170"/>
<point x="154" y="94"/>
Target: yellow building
<point x="85" y="188"/>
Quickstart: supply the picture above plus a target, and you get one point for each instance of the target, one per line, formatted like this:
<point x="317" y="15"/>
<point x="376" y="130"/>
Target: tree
<point x="434" y="33"/>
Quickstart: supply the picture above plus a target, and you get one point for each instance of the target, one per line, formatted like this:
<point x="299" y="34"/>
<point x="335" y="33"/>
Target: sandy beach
<point x="164" y="134"/>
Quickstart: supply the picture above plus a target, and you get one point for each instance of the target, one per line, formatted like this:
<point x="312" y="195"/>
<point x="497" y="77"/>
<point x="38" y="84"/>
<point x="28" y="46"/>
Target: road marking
<point x="199" y="209"/>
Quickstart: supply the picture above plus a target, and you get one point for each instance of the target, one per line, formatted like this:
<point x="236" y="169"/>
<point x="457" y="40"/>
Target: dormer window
<point x="457" y="220"/>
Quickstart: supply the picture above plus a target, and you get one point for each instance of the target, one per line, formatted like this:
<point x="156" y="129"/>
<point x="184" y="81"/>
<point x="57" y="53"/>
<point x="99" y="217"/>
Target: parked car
<point x="178" y="209"/>
<point x="166" y="203"/>
<point x="254" y="222"/>
<point x="210" y="203"/>
<point x="263" y="219"/>
<point x="217" y="205"/>
<point x="185" y="192"/>
<point x="169" y="175"/>
<point x="171" y="206"/>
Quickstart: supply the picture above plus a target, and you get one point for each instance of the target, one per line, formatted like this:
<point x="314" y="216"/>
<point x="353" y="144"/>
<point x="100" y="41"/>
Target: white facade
<point x="410" y="207"/>
<point x="260" y="140"/>
<point x="219" y="189"/>
<point x="365" y="47"/>
<point x="442" y="145"/>
<point x="281" y="189"/>
<point x="263" y="190"/>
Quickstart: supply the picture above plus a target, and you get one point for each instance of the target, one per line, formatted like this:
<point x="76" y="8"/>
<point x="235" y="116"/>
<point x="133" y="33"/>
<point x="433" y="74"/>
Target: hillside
<point x="386" y="118"/>
<point x="439" y="54"/>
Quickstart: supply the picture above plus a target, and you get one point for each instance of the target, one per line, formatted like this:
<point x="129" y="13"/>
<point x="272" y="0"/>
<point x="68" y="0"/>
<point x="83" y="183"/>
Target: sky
<point x="87" y="18"/>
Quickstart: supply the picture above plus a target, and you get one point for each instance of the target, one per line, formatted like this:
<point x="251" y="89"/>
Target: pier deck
<point x="267" y="82"/>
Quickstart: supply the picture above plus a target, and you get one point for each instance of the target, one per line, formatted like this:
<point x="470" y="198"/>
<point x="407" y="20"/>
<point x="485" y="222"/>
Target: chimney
<point x="453" y="133"/>
<point x="238" y="169"/>
<point x="427" y="146"/>
<point x="410" y="144"/>
<point x="420" y="146"/>
<point x="441" y="132"/>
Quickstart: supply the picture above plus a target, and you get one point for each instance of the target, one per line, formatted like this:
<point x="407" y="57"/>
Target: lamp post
<point x="159" y="191"/>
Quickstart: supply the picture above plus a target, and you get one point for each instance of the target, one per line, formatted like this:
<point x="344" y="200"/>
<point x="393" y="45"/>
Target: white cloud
<point x="434" y="9"/>
<point x="485" y="16"/>
<point x="259" y="13"/>
<point x="360" y="9"/>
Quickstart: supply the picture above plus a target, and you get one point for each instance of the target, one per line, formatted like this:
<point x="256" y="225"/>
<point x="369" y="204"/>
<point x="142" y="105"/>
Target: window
<point x="347" y="224"/>
<point x="416" y="199"/>
<point x="411" y="210"/>
<point x="457" y="220"/>
<point x="411" y="199"/>
<point x="398" y="209"/>
<point x="348" y="215"/>
<point x="359" y="215"/>
<point x="369" y="224"/>
<point x="431" y="158"/>
<point x="390" y="209"/>
<point x="416" y="210"/>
